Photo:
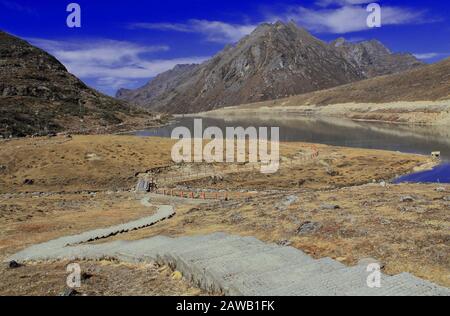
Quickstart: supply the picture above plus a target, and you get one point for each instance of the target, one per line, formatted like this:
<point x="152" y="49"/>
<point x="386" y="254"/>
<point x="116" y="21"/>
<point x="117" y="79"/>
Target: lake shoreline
<point x="440" y="173"/>
<point x="424" y="113"/>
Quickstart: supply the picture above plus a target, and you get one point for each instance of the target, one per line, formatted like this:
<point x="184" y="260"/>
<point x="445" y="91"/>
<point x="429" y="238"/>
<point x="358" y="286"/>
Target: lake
<point x="440" y="174"/>
<point x="341" y="132"/>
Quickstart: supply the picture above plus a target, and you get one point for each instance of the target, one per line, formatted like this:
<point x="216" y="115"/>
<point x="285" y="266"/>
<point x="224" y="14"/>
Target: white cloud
<point x="327" y="16"/>
<point x="111" y="64"/>
<point x="215" y="31"/>
<point x="348" y="18"/>
<point x="99" y="51"/>
<point x="426" y="56"/>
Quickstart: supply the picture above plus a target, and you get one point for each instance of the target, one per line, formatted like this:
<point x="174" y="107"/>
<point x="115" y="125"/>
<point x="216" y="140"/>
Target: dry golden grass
<point x="27" y="220"/>
<point x="101" y="278"/>
<point x="371" y="222"/>
<point x="111" y="163"/>
<point x="83" y="163"/>
<point x="335" y="167"/>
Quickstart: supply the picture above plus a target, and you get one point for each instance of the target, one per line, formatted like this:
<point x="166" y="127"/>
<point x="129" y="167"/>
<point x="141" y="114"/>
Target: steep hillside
<point x="39" y="96"/>
<point x="427" y="83"/>
<point x="161" y="84"/>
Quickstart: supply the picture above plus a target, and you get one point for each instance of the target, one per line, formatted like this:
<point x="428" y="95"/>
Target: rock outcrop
<point x="373" y="59"/>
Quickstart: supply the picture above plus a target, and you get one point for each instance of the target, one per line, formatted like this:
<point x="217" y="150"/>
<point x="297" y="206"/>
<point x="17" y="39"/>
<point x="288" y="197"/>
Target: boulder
<point x="407" y="199"/>
<point x="330" y="207"/>
<point x="28" y="182"/>
<point x="308" y="228"/>
<point x="143" y="186"/>
<point x="14" y="265"/>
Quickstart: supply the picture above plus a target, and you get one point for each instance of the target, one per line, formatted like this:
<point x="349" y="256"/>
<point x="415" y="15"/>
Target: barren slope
<point x="428" y="83"/>
<point x="39" y="96"/>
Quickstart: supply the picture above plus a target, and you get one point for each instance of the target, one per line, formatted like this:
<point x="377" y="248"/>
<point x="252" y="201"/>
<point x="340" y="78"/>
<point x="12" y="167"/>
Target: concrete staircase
<point x="236" y="265"/>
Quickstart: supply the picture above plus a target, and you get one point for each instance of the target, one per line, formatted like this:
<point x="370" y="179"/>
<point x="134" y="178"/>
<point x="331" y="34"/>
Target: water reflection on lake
<point x="333" y="131"/>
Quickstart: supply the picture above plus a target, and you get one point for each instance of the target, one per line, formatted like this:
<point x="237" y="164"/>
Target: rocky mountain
<point x="373" y="59"/>
<point x="160" y="85"/>
<point x="39" y="96"/>
<point x="418" y="96"/>
<point x="274" y="61"/>
<point x="427" y="83"/>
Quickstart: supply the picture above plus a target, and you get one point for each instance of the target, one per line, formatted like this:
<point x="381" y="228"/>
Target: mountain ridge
<point x="417" y="96"/>
<point x="374" y="59"/>
<point x="274" y="61"/>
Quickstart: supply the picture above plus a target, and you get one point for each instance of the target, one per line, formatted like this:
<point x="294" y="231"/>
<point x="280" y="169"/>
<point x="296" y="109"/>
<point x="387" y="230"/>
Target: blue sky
<point x="125" y="43"/>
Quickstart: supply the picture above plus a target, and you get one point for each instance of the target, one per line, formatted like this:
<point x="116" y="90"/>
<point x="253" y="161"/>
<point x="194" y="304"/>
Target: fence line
<point x="195" y="195"/>
<point x="216" y="172"/>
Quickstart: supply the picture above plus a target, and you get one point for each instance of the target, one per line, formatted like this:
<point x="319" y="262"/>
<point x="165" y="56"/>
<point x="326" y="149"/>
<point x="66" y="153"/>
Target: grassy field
<point x="333" y="205"/>
<point x="348" y="224"/>
<point x="82" y="163"/>
<point x="99" y="278"/>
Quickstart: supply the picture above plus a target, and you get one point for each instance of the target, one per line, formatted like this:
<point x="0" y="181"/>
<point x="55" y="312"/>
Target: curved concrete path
<point x="163" y="212"/>
<point x="235" y="265"/>
<point x="228" y="264"/>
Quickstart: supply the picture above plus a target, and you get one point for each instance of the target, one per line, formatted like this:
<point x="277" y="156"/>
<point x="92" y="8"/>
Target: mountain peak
<point x="373" y="58"/>
<point x="279" y="26"/>
<point x="276" y="60"/>
<point x="377" y="45"/>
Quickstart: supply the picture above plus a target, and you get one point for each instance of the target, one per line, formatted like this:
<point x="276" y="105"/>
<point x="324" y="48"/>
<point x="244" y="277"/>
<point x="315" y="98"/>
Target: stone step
<point x="218" y="248"/>
<point x="334" y="283"/>
<point x="261" y="260"/>
<point x="403" y="284"/>
<point x="235" y="265"/>
<point x="197" y="243"/>
<point x="265" y="284"/>
<point x="209" y="266"/>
